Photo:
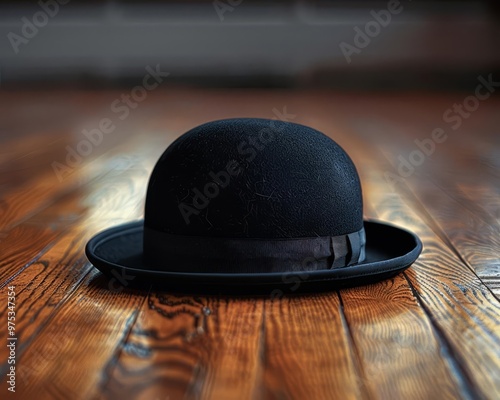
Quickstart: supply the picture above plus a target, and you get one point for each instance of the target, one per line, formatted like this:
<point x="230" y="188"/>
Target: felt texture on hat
<point x="285" y="181"/>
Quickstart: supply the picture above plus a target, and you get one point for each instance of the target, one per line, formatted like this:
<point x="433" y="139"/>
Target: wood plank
<point x="237" y="333"/>
<point x="28" y="182"/>
<point x="465" y="226"/>
<point x="396" y="343"/>
<point x="88" y="326"/>
<point x="23" y="198"/>
<point x="48" y="224"/>
<point x="469" y="216"/>
<point x="183" y="346"/>
<point x="432" y="332"/>
<point x="462" y="309"/>
<point x="458" y="184"/>
<point x="63" y="295"/>
<point x="187" y="346"/>
<point x="41" y="288"/>
<point x="308" y="352"/>
<point x="464" y="313"/>
<point x="392" y="335"/>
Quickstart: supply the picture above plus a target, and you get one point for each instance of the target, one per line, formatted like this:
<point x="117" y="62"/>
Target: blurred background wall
<point x="242" y="43"/>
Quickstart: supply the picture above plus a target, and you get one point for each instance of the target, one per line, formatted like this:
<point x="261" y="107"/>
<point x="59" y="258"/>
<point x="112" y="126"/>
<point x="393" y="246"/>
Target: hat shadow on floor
<point x="292" y="286"/>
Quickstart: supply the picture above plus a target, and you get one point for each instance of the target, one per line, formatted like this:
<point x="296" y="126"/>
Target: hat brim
<point x="117" y="252"/>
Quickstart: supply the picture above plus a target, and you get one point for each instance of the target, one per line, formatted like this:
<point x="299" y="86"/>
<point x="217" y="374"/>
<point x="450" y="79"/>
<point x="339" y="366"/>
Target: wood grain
<point x="213" y="342"/>
<point x="457" y="184"/>
<point x="185" y="346"/>
<point x="432" y="332"/>
<point x="396" y="344"/>
<point x="450" y="292"/>
<point x="393" y="358"/>
<point x="309" y="354"/>
<point x="57" y="290"/>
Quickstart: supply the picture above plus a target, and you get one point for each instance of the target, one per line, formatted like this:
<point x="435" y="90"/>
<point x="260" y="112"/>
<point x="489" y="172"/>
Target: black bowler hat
<point x="249" y="203"/>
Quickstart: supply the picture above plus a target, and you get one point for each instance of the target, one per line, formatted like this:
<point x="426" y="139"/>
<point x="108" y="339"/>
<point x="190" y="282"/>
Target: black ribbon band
<point x="239" y="255"/>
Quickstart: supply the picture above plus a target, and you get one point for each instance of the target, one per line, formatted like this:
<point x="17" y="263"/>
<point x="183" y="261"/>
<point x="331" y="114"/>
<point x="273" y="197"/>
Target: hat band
<point x="241" y="255"/>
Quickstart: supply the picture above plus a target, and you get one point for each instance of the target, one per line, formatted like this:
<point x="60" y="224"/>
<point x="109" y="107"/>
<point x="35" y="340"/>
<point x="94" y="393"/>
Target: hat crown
<point x="254" y="178"/>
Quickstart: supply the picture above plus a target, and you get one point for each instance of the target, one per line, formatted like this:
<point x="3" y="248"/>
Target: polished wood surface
<point x="432" y="332"/>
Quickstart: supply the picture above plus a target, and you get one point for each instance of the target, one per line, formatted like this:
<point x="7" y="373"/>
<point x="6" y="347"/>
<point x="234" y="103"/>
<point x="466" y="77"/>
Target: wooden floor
<point x="432" y="332"/>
